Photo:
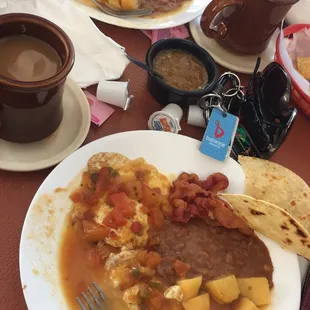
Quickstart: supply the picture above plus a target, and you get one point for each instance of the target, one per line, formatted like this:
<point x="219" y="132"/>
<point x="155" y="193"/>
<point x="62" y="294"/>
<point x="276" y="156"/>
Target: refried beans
<point x="211" y="251"/>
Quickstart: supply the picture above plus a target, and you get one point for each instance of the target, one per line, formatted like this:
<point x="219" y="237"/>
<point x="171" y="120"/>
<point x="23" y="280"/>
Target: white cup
<point x="174" y="110"/>
<point x="115" y="93"/>
<point x="195" y="116"/>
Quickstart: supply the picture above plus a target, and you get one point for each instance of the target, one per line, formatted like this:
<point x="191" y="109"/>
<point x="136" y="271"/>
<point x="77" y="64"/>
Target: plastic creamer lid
<point x="168" y="119"/>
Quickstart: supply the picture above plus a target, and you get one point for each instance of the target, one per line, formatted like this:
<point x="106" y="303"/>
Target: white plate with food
<point x="167" y="14"/>
<point x="115" y="219"/>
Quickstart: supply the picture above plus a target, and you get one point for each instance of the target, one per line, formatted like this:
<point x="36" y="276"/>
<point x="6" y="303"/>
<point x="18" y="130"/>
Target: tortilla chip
<point x="278" y="185"/>
<point x="303" y="66"/>
<point x="271" y="221"/>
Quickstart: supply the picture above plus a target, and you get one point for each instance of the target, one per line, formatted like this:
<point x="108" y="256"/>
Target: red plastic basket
<point x="299" y="97"/>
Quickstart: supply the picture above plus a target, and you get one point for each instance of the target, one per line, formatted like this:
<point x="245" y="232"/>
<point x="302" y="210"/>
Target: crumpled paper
<point x="299" y="45"/>
<point x="97" y="56"/>
<point x="289" y="51"/>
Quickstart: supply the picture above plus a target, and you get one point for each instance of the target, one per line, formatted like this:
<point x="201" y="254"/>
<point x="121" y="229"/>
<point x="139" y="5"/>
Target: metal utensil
<point x="142" y="65"/>
<point x="92" y="300"/>
<point x="110" y="11"/>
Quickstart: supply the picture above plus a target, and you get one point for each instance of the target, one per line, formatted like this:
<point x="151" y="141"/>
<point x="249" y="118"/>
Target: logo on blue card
<point x="220" y="132"/>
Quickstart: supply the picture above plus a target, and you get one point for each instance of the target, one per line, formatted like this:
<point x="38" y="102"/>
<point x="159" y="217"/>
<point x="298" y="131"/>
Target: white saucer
<point x="299" y="13"/>
<point x="244" y="64"/>
<point x="48" y="152"/>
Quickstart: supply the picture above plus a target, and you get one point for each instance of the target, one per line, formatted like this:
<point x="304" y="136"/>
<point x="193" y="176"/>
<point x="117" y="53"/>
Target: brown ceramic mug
<point x="31" y="111"/>
<point x="244" y="26"/>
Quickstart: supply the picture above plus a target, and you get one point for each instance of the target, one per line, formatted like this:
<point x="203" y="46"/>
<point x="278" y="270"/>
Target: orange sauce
<point x="76" y="275"/>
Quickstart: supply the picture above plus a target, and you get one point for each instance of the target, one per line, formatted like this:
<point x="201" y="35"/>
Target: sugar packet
<point x="180" y="32"/>
<point x="100" y="111"/>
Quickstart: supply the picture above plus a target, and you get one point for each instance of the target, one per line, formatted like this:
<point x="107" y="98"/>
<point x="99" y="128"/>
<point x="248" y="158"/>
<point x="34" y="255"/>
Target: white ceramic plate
<point x="299" y="13"/>
<point x="188" y="13"/>
<point x="170" y="153"/>
<point x="66" y="139"/>
<point x="244" y="64"/>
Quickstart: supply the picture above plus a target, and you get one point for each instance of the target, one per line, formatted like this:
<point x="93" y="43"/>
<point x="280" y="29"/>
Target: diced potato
<point x="201" y="302"/>
<point x="255" y="289"/>
<point x="190" y="287"/>
<point x="245" y="304"/>
<point x="224" y="290"/>
<point x="265" y="308"/>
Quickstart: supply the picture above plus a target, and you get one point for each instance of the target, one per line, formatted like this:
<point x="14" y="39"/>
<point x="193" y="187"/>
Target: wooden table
<point x="17" y="189"/>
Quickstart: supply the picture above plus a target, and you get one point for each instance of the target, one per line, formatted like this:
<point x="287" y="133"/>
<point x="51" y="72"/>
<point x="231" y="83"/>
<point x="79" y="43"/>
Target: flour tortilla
<point x="271" y="221"/>
<point x="278" y="185"/>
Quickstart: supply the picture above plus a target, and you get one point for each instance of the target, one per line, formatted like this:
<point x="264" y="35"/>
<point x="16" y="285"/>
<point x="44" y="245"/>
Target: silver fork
<point x="92" y="300"/>
<point x="136" y="13"/>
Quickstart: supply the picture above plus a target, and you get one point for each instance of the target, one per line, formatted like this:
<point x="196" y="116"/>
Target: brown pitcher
<point x="244" y="26"/>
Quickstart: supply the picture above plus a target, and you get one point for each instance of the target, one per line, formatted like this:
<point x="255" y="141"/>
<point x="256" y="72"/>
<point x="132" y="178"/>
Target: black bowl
<point x="165" y="93"/>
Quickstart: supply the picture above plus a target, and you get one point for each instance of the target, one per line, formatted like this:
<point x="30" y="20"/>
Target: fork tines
<point x="92" y="300"/>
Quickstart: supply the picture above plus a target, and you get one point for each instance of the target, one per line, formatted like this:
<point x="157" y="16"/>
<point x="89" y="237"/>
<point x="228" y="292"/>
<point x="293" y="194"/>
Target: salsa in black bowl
<point x="188" y="72"/>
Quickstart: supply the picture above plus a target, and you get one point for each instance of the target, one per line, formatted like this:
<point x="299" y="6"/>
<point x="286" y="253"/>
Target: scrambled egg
<point x="174" y="292"/>
<point x="124" y="236"/>
<point x="117" y="264"/>
<point x="128" y="168"/>
<point x="125" y="257"/>
<point x="131" y="297"/>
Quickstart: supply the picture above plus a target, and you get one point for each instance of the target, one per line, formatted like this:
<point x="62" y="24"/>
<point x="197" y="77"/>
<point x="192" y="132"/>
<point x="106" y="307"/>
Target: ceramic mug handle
<point x="216" y="6"/>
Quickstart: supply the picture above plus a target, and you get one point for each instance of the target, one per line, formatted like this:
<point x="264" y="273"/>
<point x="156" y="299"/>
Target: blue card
<point x="219" y="135"/>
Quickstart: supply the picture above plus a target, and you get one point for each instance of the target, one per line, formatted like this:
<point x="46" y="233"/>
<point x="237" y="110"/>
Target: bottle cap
<point x="167" y="119"/>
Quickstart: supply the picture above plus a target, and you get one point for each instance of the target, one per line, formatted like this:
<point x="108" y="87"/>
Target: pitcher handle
<point x="216" y="6"/>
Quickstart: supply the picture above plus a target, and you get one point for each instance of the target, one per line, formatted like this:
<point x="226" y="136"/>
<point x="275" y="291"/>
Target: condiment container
<point x="165" y="93"/>
<point x="167" y="119"/>
<point x="115" y="93"/>
<point x="195" y="117"/>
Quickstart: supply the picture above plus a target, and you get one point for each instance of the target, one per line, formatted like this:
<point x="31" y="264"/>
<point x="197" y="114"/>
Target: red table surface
<point x="18" y="189"/>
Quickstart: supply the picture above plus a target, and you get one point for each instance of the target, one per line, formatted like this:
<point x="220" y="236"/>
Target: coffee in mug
<point x="27" y="59"/>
